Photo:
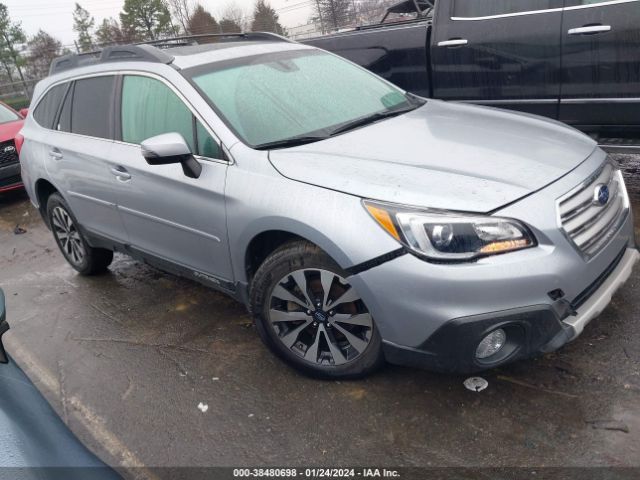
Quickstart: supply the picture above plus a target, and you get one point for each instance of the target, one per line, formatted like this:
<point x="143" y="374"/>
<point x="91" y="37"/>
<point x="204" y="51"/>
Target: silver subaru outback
<point x="358" y="223"/>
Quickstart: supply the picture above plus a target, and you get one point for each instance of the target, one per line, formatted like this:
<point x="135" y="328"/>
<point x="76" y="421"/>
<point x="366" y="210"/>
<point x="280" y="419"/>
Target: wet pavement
<point x="126" y="359"/>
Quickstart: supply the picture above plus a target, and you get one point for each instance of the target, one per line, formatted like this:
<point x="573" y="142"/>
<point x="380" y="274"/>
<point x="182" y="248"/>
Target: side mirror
<point x="24" y="112"/>
<point x="4" y="326"/>
<point x="171" y="148"/>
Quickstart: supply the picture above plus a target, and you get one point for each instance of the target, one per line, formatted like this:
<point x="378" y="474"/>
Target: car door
<point x="503" y="53"/>
<point x="80" y="145"/>
<point x="601" y="63"/>
<point x="169" y="216"/>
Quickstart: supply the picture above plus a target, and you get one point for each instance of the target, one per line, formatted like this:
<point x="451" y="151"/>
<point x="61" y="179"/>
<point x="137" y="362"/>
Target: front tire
<point x="78" y="253"/>
<point x="309" y="315"/>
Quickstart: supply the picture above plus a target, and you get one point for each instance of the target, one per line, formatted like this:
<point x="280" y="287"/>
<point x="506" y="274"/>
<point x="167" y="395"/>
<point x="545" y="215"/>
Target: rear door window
<point x="47" y="109"/>
<point x="485" y="8"/>
<point x="93" y="106"/>
<point x="150" y="108"/>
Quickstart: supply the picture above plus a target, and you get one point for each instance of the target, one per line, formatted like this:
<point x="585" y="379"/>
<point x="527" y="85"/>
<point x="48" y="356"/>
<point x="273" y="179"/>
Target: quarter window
<point x="150" y="108"/>
<point x="45" y="112"/>
<point x="92" y="108"/>
<point x="485" y="8"/>
<point x="64" y="122"/>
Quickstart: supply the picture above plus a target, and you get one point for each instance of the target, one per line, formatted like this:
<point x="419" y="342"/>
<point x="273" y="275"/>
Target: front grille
<point x="8" y="181"/>
<point x="588" y="223"/>
<point x="8" y="153"/>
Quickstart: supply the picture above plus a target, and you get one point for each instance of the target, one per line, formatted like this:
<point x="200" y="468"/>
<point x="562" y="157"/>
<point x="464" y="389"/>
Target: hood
<point x="8" y="131"/>
<point x="442" y="155"/>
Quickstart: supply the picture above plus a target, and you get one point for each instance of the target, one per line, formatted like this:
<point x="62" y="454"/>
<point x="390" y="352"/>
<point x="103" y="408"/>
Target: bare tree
<point x="182" y="11"/>
<point x="43" y="49"/>
<point x="370" y="11"/>
<point x="233" y="15"/>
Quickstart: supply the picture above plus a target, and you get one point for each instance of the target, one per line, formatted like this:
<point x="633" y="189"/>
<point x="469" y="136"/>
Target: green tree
<point x="146" y="19"/>
<point x="83" y="23"/>
<point x="227" y="25"/>
<point x="333" y="14"/>
<point x="201" y="22"/>
<point x="11" y="35"/>
<point x="265" y="19"/>
<point x="43" y="49"/>
<point x="110" y="33"/>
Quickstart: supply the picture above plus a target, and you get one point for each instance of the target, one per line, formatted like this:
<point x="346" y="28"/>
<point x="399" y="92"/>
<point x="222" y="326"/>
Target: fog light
<point x="491" y="344"/>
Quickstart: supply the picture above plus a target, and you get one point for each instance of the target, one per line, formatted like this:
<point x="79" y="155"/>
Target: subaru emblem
<point x="601" y="195"/>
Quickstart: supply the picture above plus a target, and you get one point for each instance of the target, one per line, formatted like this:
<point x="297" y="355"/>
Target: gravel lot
<point x="127" y="357"/>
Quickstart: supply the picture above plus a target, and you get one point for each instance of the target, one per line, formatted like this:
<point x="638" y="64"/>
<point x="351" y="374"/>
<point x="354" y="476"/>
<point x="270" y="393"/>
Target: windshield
<point x="270" y="98"/>
<point x="7" y="115"/>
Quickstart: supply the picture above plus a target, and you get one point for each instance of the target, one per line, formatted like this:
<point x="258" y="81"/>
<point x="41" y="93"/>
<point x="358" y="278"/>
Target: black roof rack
<point x="118" y="53"/>
<point x="153" y="50"/>
<point x="218" y="37"/>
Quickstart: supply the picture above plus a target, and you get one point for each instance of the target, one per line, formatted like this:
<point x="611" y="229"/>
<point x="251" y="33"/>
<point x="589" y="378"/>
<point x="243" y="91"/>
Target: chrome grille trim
<point x="586" y="224"/>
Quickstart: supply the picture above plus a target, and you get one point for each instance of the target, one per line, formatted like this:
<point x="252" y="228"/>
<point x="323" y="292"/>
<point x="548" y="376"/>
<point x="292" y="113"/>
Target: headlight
<point x="450" y="236"/>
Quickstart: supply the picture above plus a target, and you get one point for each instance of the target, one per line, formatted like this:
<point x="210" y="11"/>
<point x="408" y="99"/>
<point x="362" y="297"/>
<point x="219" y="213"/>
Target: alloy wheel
<point x="319" y="316"/>
<point x="67" y="235"/>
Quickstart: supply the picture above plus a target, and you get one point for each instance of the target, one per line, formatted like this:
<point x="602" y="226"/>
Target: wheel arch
<point x="261" y="243"/>
<point x="44" y="189"/>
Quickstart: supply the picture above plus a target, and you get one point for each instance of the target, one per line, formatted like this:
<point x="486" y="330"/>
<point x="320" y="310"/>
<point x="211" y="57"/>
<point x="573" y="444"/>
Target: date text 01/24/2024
<point x="315" y="473"/>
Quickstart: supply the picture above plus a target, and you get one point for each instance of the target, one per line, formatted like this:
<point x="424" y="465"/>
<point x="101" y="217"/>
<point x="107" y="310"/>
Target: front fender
<point x="335" y="221"/>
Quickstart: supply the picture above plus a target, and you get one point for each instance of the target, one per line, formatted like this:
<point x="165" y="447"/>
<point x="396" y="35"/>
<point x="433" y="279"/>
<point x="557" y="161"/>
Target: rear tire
<point x="79" y="254"/>
<point x="327" y="335"/>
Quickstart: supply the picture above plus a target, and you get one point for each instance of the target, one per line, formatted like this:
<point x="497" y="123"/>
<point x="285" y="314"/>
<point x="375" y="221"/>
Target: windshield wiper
<point x="360" y="122"/>
<point x="304" y="139"/>
<point x="291" y="142"/>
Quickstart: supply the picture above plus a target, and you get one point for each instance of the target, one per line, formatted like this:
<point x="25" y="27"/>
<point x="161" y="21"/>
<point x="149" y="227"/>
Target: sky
<point x="55" y="16"/>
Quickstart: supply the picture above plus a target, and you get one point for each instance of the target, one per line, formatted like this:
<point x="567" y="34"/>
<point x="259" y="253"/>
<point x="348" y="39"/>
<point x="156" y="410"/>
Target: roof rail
<point x="152" y="50"/>
<point x="221" y="37"/>
<point x="118" y="53"/>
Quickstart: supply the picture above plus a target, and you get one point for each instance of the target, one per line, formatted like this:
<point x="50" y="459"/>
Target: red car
<point x="10" y="143"/>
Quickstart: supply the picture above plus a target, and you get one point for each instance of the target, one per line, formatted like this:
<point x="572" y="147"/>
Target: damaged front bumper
<point x="530" y="330"/>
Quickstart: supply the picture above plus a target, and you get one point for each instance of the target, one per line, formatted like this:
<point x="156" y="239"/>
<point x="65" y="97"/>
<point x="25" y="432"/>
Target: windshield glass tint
<point x="7" y="115"/>
<point x="275" y="97"/>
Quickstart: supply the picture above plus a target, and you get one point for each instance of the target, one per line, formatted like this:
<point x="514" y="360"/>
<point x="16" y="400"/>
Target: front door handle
<point x="121" y="174"/>
<point x="454" y="42"/>
<point x="56" y="154"/>
<point x="589" y="30"/>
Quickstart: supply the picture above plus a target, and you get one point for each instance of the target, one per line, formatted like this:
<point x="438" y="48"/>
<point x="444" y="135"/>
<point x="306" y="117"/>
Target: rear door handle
<point x="121" y="174"/>
<point x="55" y="154"/>
<point x="589" y="30"/>
<point x="454" y="42"/>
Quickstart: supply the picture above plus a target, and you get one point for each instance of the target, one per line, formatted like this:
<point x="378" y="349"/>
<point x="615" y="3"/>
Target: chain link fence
<point x="17" y="94"/>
